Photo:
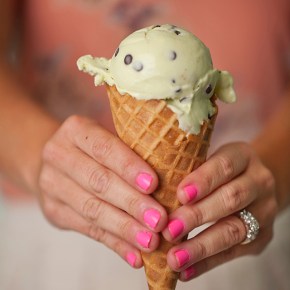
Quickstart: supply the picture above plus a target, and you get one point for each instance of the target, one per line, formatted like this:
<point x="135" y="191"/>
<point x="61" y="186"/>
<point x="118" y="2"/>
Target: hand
<point x="232" y="179"/>
<point x="94" y="184"/>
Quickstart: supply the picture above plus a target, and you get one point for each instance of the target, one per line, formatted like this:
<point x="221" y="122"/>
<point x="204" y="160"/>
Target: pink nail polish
<point x="182" y="257"/>
<point x="144" y="180"/>
<point x="152" y="217"/>
<point x="144" y="239"/>
<point x="189" y="272"/>
<point x="190" y="191"/>
<point x="175" y="228"/>
<point x="131" y="259"/>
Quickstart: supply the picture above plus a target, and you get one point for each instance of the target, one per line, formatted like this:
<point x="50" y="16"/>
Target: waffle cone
<point x="151" y="129"/>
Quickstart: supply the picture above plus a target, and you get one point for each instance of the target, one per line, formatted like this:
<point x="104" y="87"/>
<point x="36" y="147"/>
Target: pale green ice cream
<point x="169" y="63"/>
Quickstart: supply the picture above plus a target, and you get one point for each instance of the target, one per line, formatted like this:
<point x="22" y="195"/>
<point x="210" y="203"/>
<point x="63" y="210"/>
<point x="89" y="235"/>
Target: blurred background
<point x="248" y="38"/>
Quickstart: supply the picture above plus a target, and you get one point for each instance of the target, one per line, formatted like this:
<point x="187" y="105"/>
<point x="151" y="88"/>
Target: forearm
<point x="273" y="146"/>
<point x="24" y="129"/>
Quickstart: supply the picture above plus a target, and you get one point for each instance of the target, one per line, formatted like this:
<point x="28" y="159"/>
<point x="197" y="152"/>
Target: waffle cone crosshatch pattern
<point x="151" y="129"/>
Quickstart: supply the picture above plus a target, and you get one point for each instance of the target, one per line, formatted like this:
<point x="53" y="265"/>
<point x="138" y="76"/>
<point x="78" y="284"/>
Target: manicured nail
<point x="189" y="273"/>
<point x="182" y="257"/>
<point x="152" y="217"/>
<point x="131" y="259"/>
<point x="144" y="180"/>
<point x="144" y="239"/>
<point x="190" y="191"/>
<point x="175" y="228"/>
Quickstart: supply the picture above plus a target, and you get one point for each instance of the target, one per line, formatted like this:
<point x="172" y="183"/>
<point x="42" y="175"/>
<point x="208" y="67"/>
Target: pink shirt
<point x="248" y="38"/>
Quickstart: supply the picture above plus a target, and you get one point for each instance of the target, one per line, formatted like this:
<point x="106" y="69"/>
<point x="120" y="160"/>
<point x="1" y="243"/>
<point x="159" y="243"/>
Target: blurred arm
<point x="24" y="127"/>
<point x="273" y="146"/>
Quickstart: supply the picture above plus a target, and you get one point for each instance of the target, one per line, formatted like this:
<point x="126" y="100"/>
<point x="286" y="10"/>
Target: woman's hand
<point x="94" y="184"/>
<point x="232" y="179"/>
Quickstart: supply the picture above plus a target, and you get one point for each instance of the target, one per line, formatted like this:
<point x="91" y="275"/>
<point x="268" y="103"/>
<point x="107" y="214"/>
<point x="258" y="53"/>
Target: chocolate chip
<point x="172" y="55"/>
<point x="177" y="32"/>
<point x="117" y="51"/>
<point x="208" y="89"/>
<point x="128" y="59"/>
<point x="138" y="66"/>
<point x="178" y="91"/>
<point x="155" y="26"/>
<point x="173" y="81"/>
<point x="182" y="99"/>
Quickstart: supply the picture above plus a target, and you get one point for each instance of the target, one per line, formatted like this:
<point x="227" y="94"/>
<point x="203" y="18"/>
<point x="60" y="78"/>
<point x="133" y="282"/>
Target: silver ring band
<point x="251" y="224"/>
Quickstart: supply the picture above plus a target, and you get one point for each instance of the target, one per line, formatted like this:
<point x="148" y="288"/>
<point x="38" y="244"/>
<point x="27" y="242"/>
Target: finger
<point x="219" y="237"/>
<point x="211" y="262"/>
<point x="225" y="201"/>
<point x="106" y="186"/>
<point x="100" y="213"/>
<point x="64" y="217"/>
<point x="110" y="151"/>
<point x="227" y="163"/>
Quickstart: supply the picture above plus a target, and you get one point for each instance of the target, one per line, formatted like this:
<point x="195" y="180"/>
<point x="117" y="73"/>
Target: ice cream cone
<point x="162" y="87"/>
<point x="151" y="129"/>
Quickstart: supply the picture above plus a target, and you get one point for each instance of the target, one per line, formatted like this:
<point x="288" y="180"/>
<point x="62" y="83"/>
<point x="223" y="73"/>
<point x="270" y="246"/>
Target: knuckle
<point x="50" y="211"/>
<point x="44" y="181"/>
<point x="99" y="180"/>
<point x="92" y="210"/>
<point x="201" y="250"/>
<point x="268" y="180"/>
<point x="226" y="166"/>
<point x="117" y="246"/>
<point x="128" y="166"/>
<point x="208" y="181"/>
<point x="73" y="122"/>
<point x="197" y="215"/>
<point x="102" y="147"/>
<point x="132" y="204"/>
<point x="268" y="217"/>
<point x="49" y="152"/>
<point x="125" y="228"/>
<point x="273" y="207"/>
<point x="233" y="234"/>
<point x="47" y="181"/>
<point x="232" y="198"/>
<point x="96" y="233"/>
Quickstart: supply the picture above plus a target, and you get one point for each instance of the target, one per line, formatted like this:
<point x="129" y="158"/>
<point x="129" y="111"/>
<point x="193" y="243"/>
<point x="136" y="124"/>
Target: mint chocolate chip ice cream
<point x="169" y="63"/>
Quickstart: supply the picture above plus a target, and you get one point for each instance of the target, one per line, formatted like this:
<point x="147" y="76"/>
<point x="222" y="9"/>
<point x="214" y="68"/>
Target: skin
<point x="71" y="168"/>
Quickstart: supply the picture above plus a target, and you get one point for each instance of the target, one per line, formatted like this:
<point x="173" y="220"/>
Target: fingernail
<point x="182" y="257"/>
<point x="190" y="191"/>
<point x="175" y="228"/>
<point x="131" y="259"/>
<point x="144" y="180"/>
<point x="144" y="239"/>
<point x="152" y="217"/>
<point x="189" y="273"/>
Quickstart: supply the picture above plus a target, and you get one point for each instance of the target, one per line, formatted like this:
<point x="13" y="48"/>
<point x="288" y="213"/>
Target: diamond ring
<point x="251" y="224"/>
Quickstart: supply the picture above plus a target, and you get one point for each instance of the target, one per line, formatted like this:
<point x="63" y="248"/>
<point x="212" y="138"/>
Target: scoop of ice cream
<point x="169" y="63"/>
